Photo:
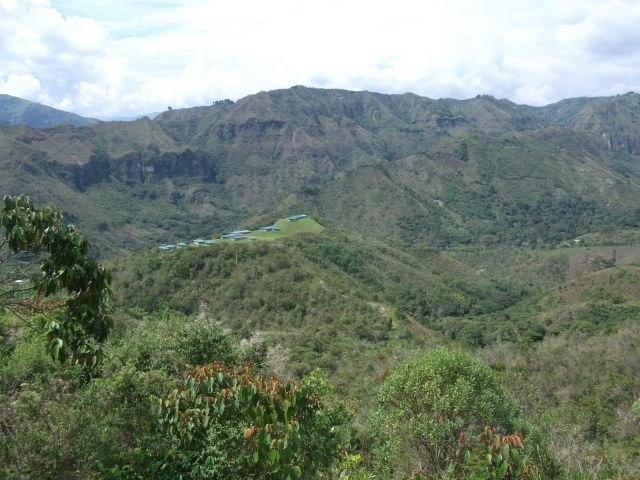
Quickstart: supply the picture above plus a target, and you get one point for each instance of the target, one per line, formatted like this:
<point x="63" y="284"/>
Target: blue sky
<point x="109" y="58"/>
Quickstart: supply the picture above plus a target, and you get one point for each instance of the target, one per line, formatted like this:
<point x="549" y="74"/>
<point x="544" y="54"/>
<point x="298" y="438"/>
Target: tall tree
<point x="69" y="286"/>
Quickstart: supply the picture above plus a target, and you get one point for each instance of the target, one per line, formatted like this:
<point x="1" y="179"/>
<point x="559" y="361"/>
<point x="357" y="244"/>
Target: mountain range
<point x="394" y="167"/>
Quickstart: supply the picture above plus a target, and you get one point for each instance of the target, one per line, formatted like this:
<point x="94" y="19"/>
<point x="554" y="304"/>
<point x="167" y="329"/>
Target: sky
<point x="108" y="59"/>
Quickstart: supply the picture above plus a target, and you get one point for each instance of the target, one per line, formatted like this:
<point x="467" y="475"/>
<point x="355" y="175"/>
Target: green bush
<point x="426" y="403"/>
<point x="229" y="423"/>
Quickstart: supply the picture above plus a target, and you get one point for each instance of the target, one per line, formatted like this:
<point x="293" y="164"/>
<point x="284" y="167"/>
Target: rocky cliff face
<point x="142" y="167"/>
<point x="615" y="120"/>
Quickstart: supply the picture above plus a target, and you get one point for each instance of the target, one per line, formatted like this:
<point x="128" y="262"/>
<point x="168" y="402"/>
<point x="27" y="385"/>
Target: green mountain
<point x="333" y="300"/>
<point x="17" y="111"/>
<point x="393" y="167"/>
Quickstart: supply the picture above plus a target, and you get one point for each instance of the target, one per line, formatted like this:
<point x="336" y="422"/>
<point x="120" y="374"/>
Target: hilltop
<point x="282" y="228"/>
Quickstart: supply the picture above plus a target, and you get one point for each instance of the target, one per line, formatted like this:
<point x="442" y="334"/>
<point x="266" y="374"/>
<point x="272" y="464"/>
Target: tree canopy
<point x="230" y="423"/>
<point x="71" y="287"/>
<point x="426" y="403"/>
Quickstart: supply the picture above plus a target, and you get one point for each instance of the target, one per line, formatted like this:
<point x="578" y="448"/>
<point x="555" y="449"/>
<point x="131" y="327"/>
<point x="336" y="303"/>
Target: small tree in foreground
<point x="71" y="287"/>
<point x="229" y="423"/>
<point x="426" y="403"/>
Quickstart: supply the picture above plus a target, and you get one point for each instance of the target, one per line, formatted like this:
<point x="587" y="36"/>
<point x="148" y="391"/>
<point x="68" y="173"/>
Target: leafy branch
<point x="69" y="281"/>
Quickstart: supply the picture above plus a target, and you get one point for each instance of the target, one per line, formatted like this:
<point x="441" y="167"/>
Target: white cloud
<point x="115" y="58"/>
<point x="26" y="86"/>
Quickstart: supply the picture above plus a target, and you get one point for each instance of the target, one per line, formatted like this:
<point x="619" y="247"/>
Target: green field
<point x="287" y="228"/>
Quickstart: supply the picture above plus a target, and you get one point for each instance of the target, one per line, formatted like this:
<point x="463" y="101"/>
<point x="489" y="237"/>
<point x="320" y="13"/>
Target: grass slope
<point x="287" y="228"/>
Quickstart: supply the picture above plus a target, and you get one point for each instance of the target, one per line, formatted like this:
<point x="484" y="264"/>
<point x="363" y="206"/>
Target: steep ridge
<point x="615" y="119"/>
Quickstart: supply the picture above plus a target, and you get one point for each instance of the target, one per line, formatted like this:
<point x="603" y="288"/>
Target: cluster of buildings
<point x="197" y="241"/>
<point x="235" y="235"/>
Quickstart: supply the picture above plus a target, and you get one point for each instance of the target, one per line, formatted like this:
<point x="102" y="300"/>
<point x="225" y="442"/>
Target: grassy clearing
<point x="287" y="228"/>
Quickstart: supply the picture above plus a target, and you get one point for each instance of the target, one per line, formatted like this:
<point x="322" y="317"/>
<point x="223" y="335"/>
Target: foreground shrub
<point x="426" y="403"/>
<point x="228" y="423"/>
<point x="494" y="456"/>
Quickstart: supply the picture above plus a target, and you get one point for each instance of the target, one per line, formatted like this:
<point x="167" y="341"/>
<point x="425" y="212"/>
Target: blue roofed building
<point x="235" y="235"/>
<point x="295" y="218"/>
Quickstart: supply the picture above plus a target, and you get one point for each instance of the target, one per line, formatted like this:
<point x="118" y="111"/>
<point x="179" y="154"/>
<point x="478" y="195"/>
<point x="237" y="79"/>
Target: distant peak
<point x="18" y="111"/>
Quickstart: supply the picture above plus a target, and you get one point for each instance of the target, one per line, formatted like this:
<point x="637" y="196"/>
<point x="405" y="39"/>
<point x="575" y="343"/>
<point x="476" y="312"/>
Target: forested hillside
<point x="462" y="302"/>
<point x="557" y="328"/>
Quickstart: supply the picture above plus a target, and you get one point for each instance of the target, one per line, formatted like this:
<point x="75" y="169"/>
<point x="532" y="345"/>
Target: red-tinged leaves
<point x="213" y="394"/>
